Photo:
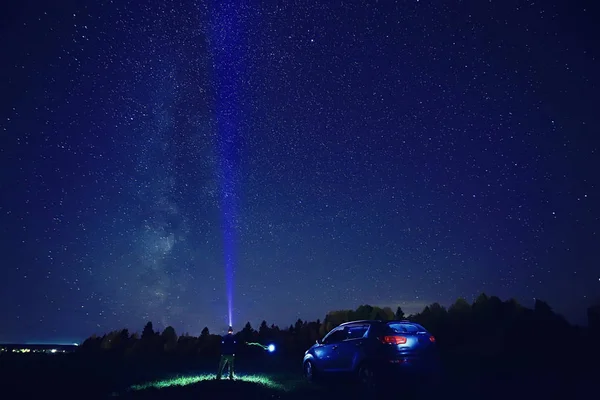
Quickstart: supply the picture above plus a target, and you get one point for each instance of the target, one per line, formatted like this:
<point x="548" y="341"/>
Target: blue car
<point x="373" y="352"/>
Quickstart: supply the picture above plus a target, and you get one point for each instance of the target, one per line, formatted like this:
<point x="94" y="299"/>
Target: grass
<point x="262" y="380"/>
<point x="281" y="385"/>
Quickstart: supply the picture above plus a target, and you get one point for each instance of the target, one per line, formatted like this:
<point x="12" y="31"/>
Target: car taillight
<point x="394" y="340"/>
<point x="432" y="339"/>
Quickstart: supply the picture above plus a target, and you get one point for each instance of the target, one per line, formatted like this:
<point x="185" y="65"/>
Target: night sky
<point x="305" y="156"/>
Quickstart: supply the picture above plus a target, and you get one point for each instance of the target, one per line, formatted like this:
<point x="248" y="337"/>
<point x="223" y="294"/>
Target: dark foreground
<point x="61" y="377"/>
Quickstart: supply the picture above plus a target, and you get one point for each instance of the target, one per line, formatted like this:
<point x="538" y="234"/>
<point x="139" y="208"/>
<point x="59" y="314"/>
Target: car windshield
<point x="405" y="328"/>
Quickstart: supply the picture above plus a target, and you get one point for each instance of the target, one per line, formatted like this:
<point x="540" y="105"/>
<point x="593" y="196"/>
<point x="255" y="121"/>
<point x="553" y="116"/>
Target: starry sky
<point x="302" y="156"/>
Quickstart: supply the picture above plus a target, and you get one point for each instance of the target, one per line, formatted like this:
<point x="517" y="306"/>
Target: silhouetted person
<point x="228" y="345"/>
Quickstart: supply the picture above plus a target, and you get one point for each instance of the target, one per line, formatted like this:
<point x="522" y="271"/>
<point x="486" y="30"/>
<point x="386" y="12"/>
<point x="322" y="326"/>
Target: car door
<point x="328" y="353"/>
<point x="350" y="350"/>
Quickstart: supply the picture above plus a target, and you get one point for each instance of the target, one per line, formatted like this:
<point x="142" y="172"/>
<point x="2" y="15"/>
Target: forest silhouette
<point x="489" y="349"/>
<point x="487" y="328"/>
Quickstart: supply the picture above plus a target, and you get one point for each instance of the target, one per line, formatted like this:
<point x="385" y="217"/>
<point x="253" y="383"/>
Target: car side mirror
<point x="319" y="341"/>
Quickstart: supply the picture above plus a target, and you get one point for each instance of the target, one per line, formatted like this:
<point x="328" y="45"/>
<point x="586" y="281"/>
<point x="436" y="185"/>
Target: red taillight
<point x="394" y="340"/>
<point x="432" y="339"/>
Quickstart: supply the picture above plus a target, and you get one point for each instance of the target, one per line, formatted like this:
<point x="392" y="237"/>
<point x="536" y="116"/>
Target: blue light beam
<point x="225" y="43"/>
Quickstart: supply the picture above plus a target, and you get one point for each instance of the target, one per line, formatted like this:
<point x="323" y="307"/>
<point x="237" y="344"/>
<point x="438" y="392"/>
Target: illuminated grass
<point x="190" y="380"/>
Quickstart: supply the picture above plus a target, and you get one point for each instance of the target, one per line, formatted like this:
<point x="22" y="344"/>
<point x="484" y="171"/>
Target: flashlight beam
<point x="257" y="344"/>
<point x="270" y="348"/>
<point x="226" y="46"/>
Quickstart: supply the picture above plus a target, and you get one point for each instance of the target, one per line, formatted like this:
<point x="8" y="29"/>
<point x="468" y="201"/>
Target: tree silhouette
<point x="91" y="344"/>
<point x="542" y="309"/>
<point x="399" y="314"/>
<point x="480" y="303"/>
<point x="362" y="312"/>
<point x="387" y="314"/>
<point x="205" y="332"/>
<point x="148" y="332"/>
<point x="264" y="332"/>
<point x="433" y="317"/>
<point x="248" y="328"/>
<point x="111" y="340"/>
<point x="247" y="333"/>
<point x="169" y="338"/>
<point x="460" y="308"/>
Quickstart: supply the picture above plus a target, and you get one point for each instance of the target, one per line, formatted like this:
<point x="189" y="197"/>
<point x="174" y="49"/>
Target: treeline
<point x="488" y="326"/>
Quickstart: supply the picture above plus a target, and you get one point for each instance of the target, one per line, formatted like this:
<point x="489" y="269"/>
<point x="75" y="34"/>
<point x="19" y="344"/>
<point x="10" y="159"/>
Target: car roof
<point x="375" y="321"/>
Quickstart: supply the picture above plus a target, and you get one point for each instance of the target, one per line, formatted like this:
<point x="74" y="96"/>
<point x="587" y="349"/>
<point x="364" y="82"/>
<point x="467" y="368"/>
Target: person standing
<point x="228" y="347"/>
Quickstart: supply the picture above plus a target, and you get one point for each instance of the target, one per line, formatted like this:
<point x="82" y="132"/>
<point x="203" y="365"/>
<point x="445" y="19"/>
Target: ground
<point x="246" y="386"/>
<point x="63" y="378"/>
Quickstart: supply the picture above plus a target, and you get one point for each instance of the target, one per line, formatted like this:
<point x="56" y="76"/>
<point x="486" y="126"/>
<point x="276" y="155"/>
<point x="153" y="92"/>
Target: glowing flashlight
<point x="271" y="348"/>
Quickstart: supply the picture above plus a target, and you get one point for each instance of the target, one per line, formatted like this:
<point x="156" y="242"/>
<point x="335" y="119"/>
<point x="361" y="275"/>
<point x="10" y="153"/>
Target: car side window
<point x="357" y="332"/>
<point x="335" y="337"/>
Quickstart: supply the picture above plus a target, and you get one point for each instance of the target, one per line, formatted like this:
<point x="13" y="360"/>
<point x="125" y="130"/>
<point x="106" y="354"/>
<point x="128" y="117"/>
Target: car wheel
<point x="310" y="373"/>
<point x="367" y="377"/>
